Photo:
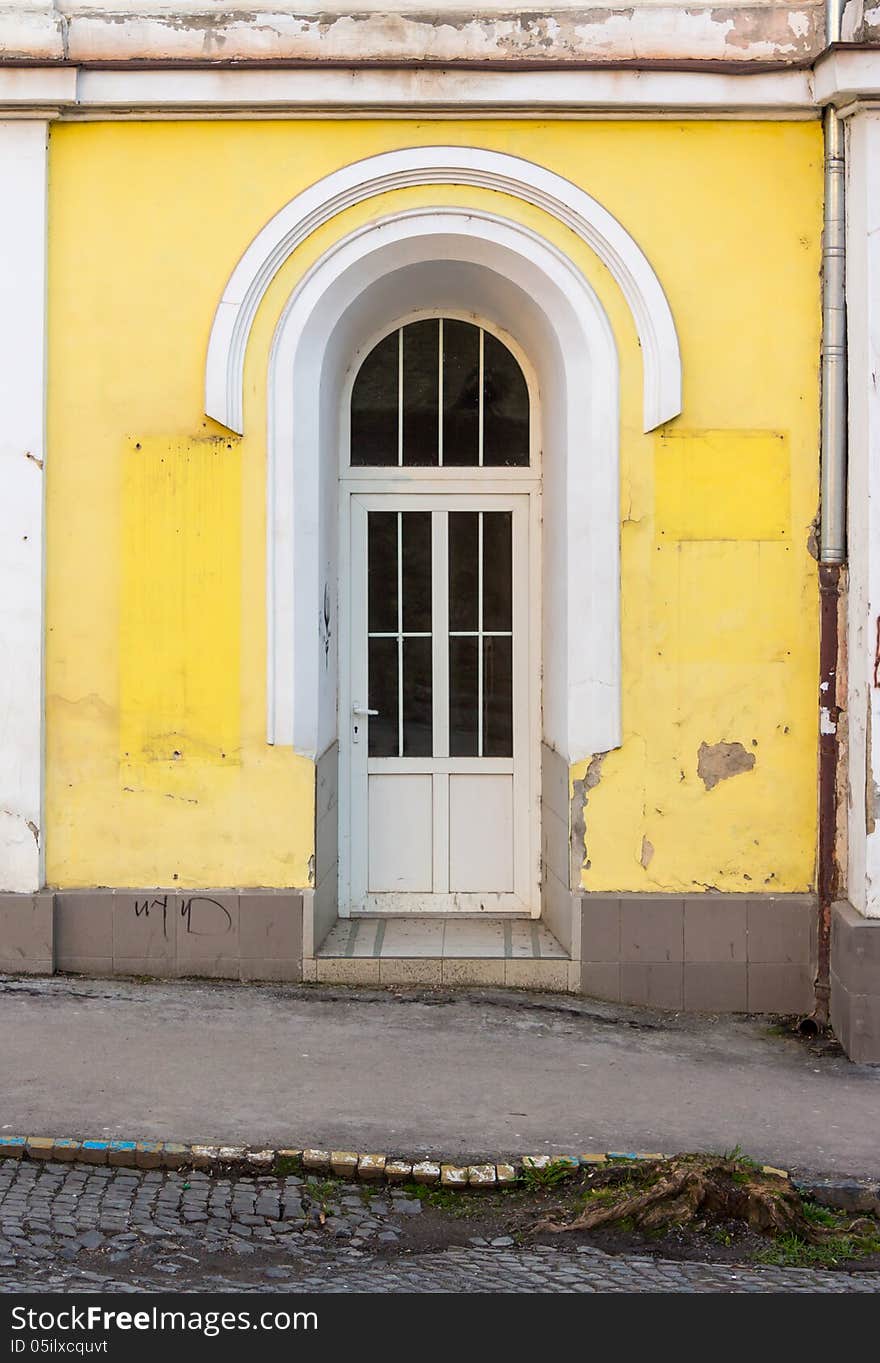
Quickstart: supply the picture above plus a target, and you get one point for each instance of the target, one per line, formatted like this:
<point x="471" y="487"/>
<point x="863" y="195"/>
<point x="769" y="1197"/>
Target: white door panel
<point x="481" y="822"/>
<point x="400" y="834"/>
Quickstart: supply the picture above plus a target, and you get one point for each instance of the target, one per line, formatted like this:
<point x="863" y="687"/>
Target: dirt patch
<point x="805" y="1236"/>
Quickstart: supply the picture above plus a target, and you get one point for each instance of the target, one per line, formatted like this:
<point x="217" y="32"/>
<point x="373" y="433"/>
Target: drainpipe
<point x="832" y="537"/>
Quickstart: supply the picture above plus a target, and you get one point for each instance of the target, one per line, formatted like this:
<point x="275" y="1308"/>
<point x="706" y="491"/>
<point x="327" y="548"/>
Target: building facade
<point x="417" y="454"/>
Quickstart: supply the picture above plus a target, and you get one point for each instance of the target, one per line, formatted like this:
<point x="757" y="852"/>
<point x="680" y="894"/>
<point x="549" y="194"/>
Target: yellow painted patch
<point x="180" y="642"/>
<point x="722" y="485"/>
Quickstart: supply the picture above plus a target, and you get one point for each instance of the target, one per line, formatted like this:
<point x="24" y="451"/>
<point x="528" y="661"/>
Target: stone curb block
<point x="69" y="1150"/>
<point x="95" y="1152"/>
<point x="344" y="1163"/>
<point x="453" y="1176"/>
<point x="148" y="1154"/>
<point x="426" y="1172"/>
<point x="40" y="1147"/>
<point x="122" y="1154"/>
<point x="843" y="1194"/>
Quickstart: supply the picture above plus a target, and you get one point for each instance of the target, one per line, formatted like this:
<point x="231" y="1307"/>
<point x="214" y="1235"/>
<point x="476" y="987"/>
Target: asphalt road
<point x="456" y="1074"/>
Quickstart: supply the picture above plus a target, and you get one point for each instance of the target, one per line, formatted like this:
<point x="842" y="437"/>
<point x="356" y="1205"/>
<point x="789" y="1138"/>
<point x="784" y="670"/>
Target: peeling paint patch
<point x="799" y="24"/>
<point x="872" y="790"/>
<point x="578" y="823"/>
<point x="312" y="869"/>
<point x="647" y="853"/>
<point x="33" y="458"/>
<point x="719" y="761"/>
<point x="34" y="830"/>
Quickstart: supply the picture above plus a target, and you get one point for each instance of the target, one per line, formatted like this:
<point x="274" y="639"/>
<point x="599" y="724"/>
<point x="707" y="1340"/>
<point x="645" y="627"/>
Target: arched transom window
<point x="440" y="393"/>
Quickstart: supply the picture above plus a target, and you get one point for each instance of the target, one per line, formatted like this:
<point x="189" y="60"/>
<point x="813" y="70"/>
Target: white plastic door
<point x="439" y="696"/>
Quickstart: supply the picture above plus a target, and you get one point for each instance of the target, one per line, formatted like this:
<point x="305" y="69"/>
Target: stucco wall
<point x="158" y="772"/>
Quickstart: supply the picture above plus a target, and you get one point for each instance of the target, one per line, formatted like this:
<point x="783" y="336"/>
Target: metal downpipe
<point x="832" y="529"/>
<point x="832" y="535"/>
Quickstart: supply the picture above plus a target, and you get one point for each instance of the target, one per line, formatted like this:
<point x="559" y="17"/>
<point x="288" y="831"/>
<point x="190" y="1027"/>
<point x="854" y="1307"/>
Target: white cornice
<point x="841" y="77"/>
<point x="78" y="93"/>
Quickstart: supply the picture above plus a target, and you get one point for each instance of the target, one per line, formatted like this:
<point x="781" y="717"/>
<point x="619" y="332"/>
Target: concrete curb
<point x="845" y="1194"/>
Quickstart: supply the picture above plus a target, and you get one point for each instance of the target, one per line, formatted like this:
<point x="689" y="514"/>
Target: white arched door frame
<point x="530" y="290"/>
<point x="472" y="166"/>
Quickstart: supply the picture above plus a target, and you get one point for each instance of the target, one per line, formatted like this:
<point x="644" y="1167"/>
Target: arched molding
<point x="470" y="166"/>
<point x="495" y="270"/>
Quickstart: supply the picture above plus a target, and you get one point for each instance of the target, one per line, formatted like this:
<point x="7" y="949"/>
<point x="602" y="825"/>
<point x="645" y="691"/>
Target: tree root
<point x="661" y="1194"/>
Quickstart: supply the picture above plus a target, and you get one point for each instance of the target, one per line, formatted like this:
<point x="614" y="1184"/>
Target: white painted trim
<point x="23" y="168"/>
<point x="863" y="597"/>
<point x="526" y="286"/>
<point x="470" y="166"/>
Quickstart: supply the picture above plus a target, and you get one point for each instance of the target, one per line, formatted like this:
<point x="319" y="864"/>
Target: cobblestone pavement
<point x="67" y="1227"/>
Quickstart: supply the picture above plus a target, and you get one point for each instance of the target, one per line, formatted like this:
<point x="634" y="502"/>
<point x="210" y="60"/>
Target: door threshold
<point x="446" y="915"/>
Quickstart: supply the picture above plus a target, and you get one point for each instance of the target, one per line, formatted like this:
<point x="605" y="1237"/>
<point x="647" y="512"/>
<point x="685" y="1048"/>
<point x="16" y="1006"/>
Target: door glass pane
<point x="374" y="404"/>
<point x="463" y="691"/>
<point x="421" y="392"/>
<point x="382" y="571"/>
<point x="383" y="696"/>
<point x="418" y="726"/>
<point x="461" y="393"/>
<point x="416" y="536"/>
<point x="497" y="570"/>
<point x="463" y="579"/>
<point x="505" y="407"/>
<point x="497" y="697"/>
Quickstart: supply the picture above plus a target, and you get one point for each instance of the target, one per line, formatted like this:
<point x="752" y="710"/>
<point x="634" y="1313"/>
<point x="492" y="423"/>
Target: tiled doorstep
<point x="557" y="976"/>
<point x="461" y="938"/>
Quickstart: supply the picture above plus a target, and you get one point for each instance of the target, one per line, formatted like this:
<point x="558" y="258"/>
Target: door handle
<point x="359" y="711"/>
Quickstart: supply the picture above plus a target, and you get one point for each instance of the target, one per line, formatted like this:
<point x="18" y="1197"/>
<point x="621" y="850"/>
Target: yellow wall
<point x="157" y="766"/>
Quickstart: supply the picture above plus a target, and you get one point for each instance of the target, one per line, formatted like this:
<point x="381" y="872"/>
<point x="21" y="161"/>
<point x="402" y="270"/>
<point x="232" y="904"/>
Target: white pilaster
<point x="23" y="161"/>
<point x="863" y="326"/>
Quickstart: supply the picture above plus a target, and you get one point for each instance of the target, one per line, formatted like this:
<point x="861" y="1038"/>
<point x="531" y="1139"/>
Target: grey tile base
<point x="709" y="952"/>
<point x="26" y="933"/>
<point x="855" y="983"/>
<point x="215" y="934"/>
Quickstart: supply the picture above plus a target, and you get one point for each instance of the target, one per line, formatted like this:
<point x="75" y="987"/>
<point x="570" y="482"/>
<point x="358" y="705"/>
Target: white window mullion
<point x="440" y="627"/>
<point x="400" y="634"/>
<point x="440" y="396"/>
<point x="400" y="398"/>
<point x="440" y="691"/>
<point x="480" y="403"/>
<point x="480" y="626"/>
